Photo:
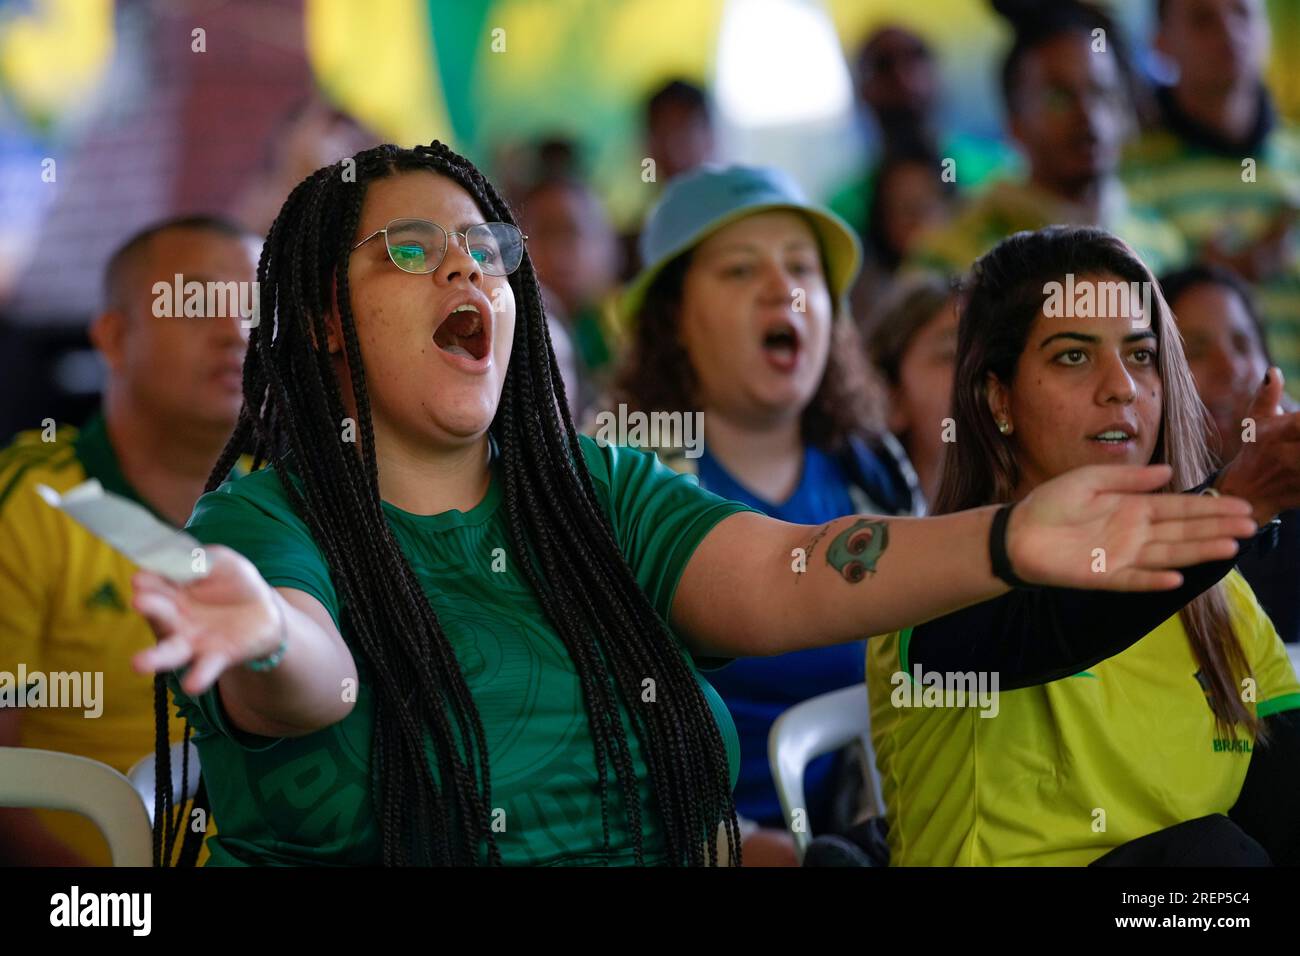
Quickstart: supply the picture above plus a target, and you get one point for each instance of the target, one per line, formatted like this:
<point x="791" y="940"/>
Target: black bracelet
<point x="1265" y="538"/>
<point x="998" y="549"/>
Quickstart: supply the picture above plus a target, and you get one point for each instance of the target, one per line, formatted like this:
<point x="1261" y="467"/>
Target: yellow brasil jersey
<point x="1062" y="773"/>
<point x="65" y="608"/>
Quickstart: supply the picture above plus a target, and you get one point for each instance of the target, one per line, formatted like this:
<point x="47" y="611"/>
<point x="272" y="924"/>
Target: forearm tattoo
<point x="857" y="549"/>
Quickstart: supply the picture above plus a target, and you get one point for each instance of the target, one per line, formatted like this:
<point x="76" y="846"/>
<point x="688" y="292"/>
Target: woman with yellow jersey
<point x="1181" y="748"/>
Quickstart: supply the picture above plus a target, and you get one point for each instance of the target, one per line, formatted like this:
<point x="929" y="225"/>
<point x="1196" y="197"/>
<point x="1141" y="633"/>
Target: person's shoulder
<point x="34" y="450"/>
<point x="608" y="461"/>
<point x="611" y="464"/>
<point x="632" y="482"/>
<point x="1266" y="654"/>
<point x="1249" y="619"/>
<point x="257" y="491"/>
<point x="1158" y="241"/>
<point x="30" y="460"/>
<point x="594" y="453"/>
<point x="264" y="484"/>
<point x="1241" y="596"/>
<point x="851" y="197"/>
<point x="955" y="245"/>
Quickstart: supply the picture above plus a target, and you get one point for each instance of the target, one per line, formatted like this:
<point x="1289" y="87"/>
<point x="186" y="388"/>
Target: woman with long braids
<point x="440" y="628"/>
<point x="1183" y="748"/>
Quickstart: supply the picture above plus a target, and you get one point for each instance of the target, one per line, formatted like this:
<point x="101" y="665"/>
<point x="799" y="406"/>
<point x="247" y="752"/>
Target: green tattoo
<point x="857" y="548"/>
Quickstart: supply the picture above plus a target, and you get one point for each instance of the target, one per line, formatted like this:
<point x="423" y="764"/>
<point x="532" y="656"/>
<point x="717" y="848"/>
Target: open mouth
<point x="463" y="332"/>
<point x="1113" y="436"/>
<point x="781" y="345"/>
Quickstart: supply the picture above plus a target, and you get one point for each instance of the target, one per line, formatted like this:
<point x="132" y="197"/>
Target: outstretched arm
<point x="1034" y="637"/>
<point x="743" y="592"/>
<point x="232" y="616"/>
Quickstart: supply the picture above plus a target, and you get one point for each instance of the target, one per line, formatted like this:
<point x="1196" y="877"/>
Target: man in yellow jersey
<point x="1221" y="165"/>
<point x="1067" y="110"/>
<point x="171" y="400"/>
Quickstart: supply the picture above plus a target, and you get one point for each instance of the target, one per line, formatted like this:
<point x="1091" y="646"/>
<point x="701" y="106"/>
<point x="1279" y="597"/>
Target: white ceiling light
<point x="779" y="62"/>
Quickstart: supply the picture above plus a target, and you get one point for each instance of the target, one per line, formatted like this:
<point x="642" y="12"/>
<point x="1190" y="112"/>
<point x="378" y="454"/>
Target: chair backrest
<point x="45" y="779"/>
<point x="808" y="730"/>
<point x="142" y="778"/>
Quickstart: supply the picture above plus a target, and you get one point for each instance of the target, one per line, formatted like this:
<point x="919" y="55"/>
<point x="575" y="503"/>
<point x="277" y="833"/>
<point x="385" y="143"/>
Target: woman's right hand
<point x="210" y="624"/>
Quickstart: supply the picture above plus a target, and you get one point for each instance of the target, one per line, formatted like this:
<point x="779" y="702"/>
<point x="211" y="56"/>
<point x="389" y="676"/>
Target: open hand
<point x="210" y="624"/>
<point x="1095" y="528"/>
<point x="1266" y="472"/>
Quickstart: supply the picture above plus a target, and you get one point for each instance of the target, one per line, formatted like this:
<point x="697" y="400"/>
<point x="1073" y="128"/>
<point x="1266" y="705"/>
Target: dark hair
<point x="126" y="254"/>
<point x="657" y="375"/>
<point x="1035" y="24"/>
<point x="544" y="160"/>
<point x="864" y="62"/>
<point x="559" y="534"/>
<point x="913" y="152"/>
<point x="558" y="156"/>
<point x="560" y="183"/>
<point x="1175" y="284"/>
<point x="676" y="92"/>
<point x="298" y="110"/>
<point x="1004" y="295"/>
<point x="910" y="307"/>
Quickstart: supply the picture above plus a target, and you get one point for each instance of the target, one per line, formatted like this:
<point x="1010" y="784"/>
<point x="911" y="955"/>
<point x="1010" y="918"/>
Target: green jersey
<point x="307" y="800"/>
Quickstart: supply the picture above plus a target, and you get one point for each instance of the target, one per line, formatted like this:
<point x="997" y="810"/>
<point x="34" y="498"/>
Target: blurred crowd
<point x="842" y="404"/>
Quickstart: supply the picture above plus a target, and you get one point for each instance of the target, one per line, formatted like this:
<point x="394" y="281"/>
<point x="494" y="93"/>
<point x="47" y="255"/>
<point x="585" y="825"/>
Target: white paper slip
<point x="130" y="529"/>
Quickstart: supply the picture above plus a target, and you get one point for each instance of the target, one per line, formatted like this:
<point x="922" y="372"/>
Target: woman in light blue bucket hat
<point x="739" y="321"/>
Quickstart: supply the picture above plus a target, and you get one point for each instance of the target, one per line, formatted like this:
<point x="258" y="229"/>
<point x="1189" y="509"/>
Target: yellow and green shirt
<point x="1207" y="192"/>
<point x="1066" y="771"/>
<point x="1007" y="207"/>
<point x="65" y="607"/>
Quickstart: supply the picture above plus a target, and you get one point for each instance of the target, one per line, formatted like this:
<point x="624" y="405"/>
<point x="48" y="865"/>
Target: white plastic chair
<point x="142" y="778"/>
<point x="808" y="730"/>
<point x="47" y="780"/>
<point x="1293" y="651"/>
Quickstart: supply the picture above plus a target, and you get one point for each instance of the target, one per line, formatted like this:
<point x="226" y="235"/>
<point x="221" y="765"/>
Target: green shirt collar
<point x="96" y="455"/>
